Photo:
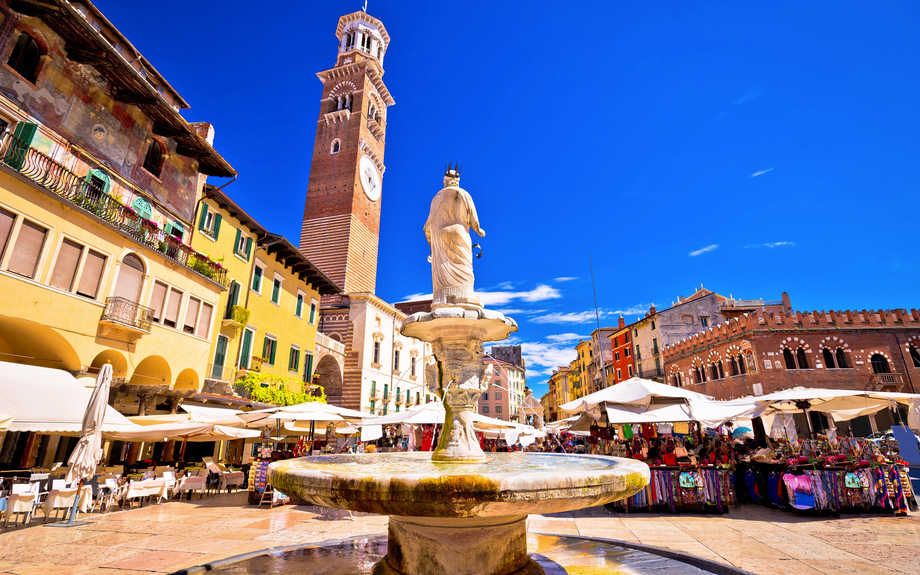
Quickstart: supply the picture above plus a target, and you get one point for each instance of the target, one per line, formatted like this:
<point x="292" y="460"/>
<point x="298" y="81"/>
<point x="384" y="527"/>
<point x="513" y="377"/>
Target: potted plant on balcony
<point x="256" y="364"/>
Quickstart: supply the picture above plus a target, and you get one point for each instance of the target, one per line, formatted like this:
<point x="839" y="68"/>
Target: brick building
<point x="756" y="354"/>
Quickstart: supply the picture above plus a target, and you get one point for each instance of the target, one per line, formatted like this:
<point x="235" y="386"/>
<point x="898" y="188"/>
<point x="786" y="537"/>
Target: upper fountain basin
<point x="458" y="322"/>
<point x="411" y="484"/>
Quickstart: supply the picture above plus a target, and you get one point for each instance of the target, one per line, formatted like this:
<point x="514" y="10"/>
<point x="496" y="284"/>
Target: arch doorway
<point x="329" y="375"/>
<point x="879" y="363"/>
<point x="24" y="341"/>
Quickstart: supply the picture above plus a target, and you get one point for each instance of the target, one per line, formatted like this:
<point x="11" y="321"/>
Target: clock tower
<point x="341" y="222"/>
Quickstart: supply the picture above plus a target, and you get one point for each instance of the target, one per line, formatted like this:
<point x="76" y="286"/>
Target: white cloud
<point x="569" y="317"/>
<point x="544" y="357"/>
<point x="511" y="311"/>
<point x="746" y="98"/>
<point x="539" y="293"/>
<point x="565" y="279"/>
<point x="761" y="172"/>
<point x="704" y="250"/>
<point x="563" y="337"/>
<point x="773" y="245"/>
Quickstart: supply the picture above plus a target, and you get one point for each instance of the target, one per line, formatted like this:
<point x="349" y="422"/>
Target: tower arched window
<point x="915" y="355"/>
<point x="153" y="161"/>
<point x="336" y="146"/>
<point x="789" y="358"/>
<point x="802" y="360"/>
<point x="879" y="363"/>
<point x="841" y="359"/>
<point x="25" y="57"/>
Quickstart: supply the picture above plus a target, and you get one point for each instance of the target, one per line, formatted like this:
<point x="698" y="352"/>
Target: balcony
<point x="374" y="394"/>
<point x="236" y="317"/>
<point x="221" y="373"/>
<point x="124" y="315"/>
<point x="651" y="373"/>
<point x="72" y="188"/>
<point x="886" y="382"/>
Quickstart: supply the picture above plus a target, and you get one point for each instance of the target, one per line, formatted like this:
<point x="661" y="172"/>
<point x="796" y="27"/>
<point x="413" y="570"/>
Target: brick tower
<point x="341" y="223"/>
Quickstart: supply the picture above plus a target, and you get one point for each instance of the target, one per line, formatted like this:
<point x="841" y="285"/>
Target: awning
<point x="46" y="400"/>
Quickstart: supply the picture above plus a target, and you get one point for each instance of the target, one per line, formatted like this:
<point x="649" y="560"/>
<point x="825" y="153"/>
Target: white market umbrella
<point x="425" y="414"/>
<point x="634" y="391"/>
<point x="310" y="411"/>
<point x="5" y="421"/>
<point x="88" y="453"/>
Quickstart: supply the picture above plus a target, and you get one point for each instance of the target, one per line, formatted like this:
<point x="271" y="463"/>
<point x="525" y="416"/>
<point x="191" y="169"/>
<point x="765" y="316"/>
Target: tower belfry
<point x="341" y="225"/>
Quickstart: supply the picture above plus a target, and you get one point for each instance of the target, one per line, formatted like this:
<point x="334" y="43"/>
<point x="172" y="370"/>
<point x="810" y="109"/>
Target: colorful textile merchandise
<point x="675" y="488"/>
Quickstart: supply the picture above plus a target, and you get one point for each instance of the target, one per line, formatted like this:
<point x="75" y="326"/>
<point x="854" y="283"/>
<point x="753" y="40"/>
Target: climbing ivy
<point x="266" y="388"/>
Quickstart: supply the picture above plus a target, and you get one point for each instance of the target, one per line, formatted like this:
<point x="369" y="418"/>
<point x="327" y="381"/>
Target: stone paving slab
<point x="160" y="539"/>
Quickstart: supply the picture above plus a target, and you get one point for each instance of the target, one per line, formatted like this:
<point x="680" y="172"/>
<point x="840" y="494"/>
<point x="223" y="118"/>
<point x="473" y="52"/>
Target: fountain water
<point x="458" y="511"/>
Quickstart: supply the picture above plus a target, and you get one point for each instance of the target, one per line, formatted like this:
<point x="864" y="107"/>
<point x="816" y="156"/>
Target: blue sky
<point x="752" y="148"/>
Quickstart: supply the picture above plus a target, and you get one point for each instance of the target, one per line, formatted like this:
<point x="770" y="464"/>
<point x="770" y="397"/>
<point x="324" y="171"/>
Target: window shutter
<point x="274" y="347"/>
<point x="204" y="323"/>
<point x="246" y="351"/>
<point x="309" y="368"/>
<point x="191" y="314"/>
<point x="299" y="310"/>
<point x="157" y="300"/>
<point x="172" y="308"/>
<point x="217" y="219"/>
<point x="257" y="279"/>
<point x="27" y="249"/>
<point x="6" y="226"/>
<point x="220" y="356"/>
<point x="66" y="266"/>
<point x="276" y="290"/>
<point x="130" y="279"/>
<point x="236" y="243"/>
<point x="92" y="275"/>
<point x="204" y="217"/>
<point x="265" y="348"/>
<point x="248" y="248"/>
<point x="22" y="139"/>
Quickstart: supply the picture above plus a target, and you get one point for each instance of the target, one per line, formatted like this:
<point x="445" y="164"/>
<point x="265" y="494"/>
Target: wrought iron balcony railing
<point x="125" y="312"/>
<point x="55" y="178"/>
<point x="226" y="373"/>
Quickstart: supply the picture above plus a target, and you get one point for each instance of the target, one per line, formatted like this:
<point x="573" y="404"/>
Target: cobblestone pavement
<point x="172" y="536"/>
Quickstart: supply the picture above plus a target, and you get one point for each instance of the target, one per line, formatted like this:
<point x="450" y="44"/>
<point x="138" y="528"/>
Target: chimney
<point x="622" y="322"/>
<point x="652" y="310"/>
<point x="205" y="130"/>
<point x="787" y="305"/>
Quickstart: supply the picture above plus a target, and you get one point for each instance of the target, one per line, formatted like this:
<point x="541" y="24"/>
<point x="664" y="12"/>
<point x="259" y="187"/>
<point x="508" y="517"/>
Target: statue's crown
<point x="452" y="175"/>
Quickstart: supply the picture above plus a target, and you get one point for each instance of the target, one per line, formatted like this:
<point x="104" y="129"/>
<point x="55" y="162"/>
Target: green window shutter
<point x="22" y="139"/>
<point x="274" y="347"/>
<point x="276" y="291"/>
<point x="142" y="207"/>
<point x="309" y="368"/>
<point x="248" y="248"/>
<point x="312" y="313"/>
<point x="217" y="219"/>
<point x="299" y="310"/>
<point x="236" y="243"/>
<point x="99" y="174"/>
<point x="257" y="279"/>
<point x="265" y="348"/>
<point x="167" y="228"/>
<point x="203" y="218"/>
<point x="291" y="359"/>
<point x="247" y="349"/>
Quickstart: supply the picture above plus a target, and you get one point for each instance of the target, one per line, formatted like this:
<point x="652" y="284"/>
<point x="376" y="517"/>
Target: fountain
<point x="457" y="511"/>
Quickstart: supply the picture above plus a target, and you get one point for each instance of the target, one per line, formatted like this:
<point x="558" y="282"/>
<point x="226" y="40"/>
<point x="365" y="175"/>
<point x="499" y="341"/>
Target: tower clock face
<point x="370" y="179"/>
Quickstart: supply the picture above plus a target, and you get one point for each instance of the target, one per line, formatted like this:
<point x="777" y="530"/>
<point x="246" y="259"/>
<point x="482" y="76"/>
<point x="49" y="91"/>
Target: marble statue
<point x="447" y="231"/>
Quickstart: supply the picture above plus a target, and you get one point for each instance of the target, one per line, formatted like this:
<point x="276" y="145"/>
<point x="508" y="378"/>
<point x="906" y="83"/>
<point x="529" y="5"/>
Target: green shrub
<point x="265" y="388"/>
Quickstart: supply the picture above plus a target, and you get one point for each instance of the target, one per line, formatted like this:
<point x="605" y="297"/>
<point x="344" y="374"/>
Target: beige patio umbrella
<point x="88" y="452"/>
<point x="5" y="421"/>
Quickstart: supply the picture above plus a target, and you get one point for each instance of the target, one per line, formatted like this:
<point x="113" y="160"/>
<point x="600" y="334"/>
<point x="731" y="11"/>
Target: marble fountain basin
<point x="458" y="518"/>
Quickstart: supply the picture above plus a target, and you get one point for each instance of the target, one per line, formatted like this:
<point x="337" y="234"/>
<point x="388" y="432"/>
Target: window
<point x="734" y="366"/>
<point x="6" y="227"/>
<point x="233" y="298"/>
<point x="298" y="310"/>
<point x="158" y="300"/>
<point x="616" y="356"/>
<point x="25" y="57"/>
<point x="294" y="359"/>
<point x="209" y="223"/>
<point x="191" y="315"/>
<point x="268" y="350"/>
<point x="914" y="355"/>
<point x="879" y="363"/>
<point x="630" y="369"/>
<point x="243" y="245"/>
<point x="789" y="358"/>
<point x="257" y="279"/>
<point x="802" y="359"/>
<point x="655" y="345"/>
<point x="373" y="405"/>
<point x="638" y="353"/>
<point x="153" y="159"/>
<point x="485" y="396"/>
<point x="386" y="391"/>
<point x="176" y="230"/>
<point x="653" y="324"/>
<point x="627" y="351"/>
<point x="67" y="266"/>
<point x="308" y="367"/>
<point x="204" y="321"/>
<point x="412" y="367"/>
<point x="376" y="353"/>
<point x="276" y="290"/>
<point x="336" y="146"/>
<point x="27" y="249"/>
<point x="396" y="361"/>
<point x="246" y="348"/>
<point x="91" y="276"/>
<point x="829" y="362"/>
<point x="485" y="409"/>
<point x="841" y="359"/>
<point x="704" y="321"/>
<point x="498" y="409"/>
<point x="635" y="332"/>
<point x="619" y="374"/>
<point x="313" y="305"/>
<point x="131" y="279"/>
<point x="171" y="316"/>
<point x="498" y="394"/>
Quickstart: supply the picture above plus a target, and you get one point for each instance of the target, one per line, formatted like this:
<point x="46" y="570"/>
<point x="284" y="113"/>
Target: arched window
<point x="130" y="279"/>
<point x="154" y="159"/>
<point x="721" y="370"/>
<point x="915" y="355"/>
<point x="25" y="57"/>
<point x="789" y="358"/>
<point x="734" y="366"/>
<point x="841" y="359"/>
<point x="829" y="362"/>
<point x="336" y="146"/>
<point x="879" y="364"/>
<point x="802" y="360"/>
